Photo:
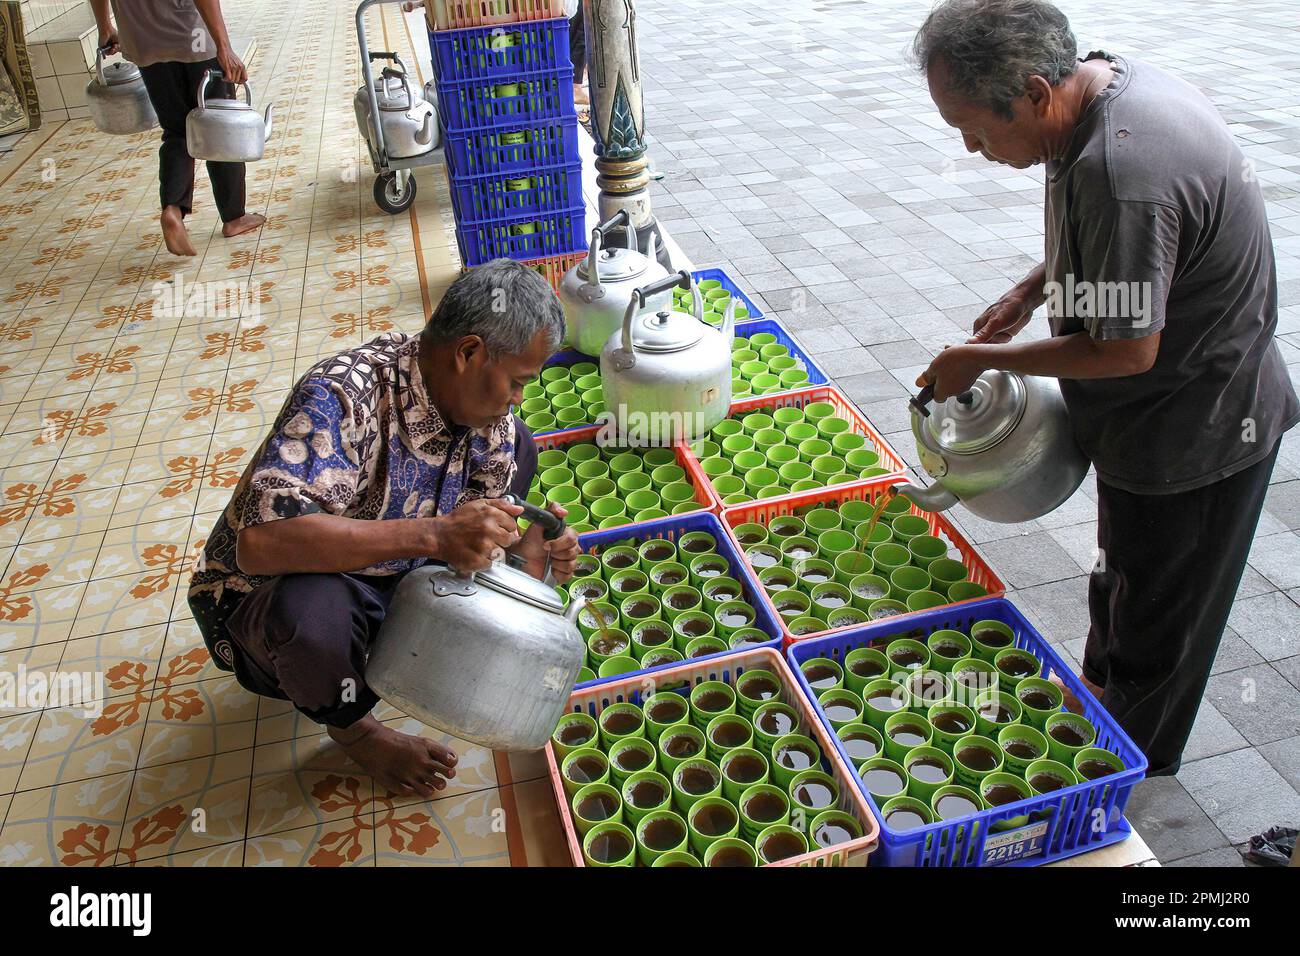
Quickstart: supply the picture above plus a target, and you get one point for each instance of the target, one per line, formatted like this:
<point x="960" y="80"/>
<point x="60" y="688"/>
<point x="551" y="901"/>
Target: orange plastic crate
<point x="870" y="491"/>
<point x="727" y="668"/>
<point x="574" y="436"/>
<point x="844" y="408"/>
<point x="553" y="269"/>
<point x="461" y="14"/>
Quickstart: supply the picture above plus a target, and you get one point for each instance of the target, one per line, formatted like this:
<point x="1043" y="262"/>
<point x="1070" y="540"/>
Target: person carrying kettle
<point x="173" y="42"/>
<point x="383" y="457"/>
<point x="1161" y="295"/>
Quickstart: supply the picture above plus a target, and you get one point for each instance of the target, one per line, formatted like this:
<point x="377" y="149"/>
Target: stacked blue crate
<point x="510" y="133"/>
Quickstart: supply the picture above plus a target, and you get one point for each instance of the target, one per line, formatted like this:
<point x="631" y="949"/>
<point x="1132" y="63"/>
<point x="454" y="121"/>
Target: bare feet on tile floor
<point x="400" y="762"/>
<point x="174" y="232"/>
<point x="245" y="223"/>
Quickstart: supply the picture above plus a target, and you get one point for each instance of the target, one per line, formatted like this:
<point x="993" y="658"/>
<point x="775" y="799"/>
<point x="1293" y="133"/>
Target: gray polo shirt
<point x="1155" y="223"/>
<point x="162" y="31"/>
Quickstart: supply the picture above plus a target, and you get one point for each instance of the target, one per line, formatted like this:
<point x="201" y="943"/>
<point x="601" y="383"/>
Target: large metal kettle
<point x="1004" y="449"/>
<point x="595" y="292"/>
<point x="667" y="375"/>
<point x="489" y="657"/>
<point x="226" y="130"/>
<point x="409" y="121"/>
<point x="117" y="100"/>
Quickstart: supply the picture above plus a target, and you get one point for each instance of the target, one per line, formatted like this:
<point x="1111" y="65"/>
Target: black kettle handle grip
<point x="552" y="524"/>
<point x="926" y="395"/>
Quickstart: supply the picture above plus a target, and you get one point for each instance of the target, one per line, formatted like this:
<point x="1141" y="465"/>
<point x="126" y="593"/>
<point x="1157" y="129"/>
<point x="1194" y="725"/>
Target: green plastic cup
<point x="791" y="604"/>
<point x="597" y="489"/>
<point x="794" y="472"/>
<point x="694" y="780"/>
<point x="1039" y="700"/>
<point x="846" y="617"/>
<point x="812" y="449"/>
<point x="989" y="637"/>
<point x="928" y="768"/>
<point x="733" y="445"/>
<point x="924" y="600"/>
<point x="926" y="548"/>
<point x="1063" y="730"/>
<point x="906" y="813"/>
<point x="973" y="677"/>
<point x="975" y="757"/>
<point x="829" y="597"/>
<point x="906" y="580"/>
<point x="805" y="626"/>
<point x="730" y="852"/>
<point x="711" y="819"/>
<point x="812" y="792"/>
<point x="841" y="707"/>
<point x="995" y="709"/>
<point x="618" y="721"/>
<point x="772" y="720"/>
<point x="780" y="842"/>
<point x="786" y="416"/>
<point x="742" y="768"/>
<point x="677" y="493"/>
<point x="951" y="722"/>
<point x="850" y="564"/>
<point x="945" y="572"/>
<point x="581" y="767"/>
<point x="905" y="654"/>
<point x="1048" y="776"/>
<point x="790" y="756"/>
<point x="867" y="590"/>
<point x="909" y="526"/>
<point x="822" y="674"/>
<point x="663" y="710"/>
<point x="1094" y="763"/>
<point x="966" y="591"/>
<point x="628" y="756"/>
<point x="679" y="743"/>
<point x="882" y="699"/>
<point x="862" y="665"/>
<point x="728" y="485"/>
<point x="709" y="699"/>
<point x="861" y="460"/>
<point x="861" y="742"/>
<point x="657" y="837"/>
<point x="884" y="779"/>
<point x="621" y="664"/>
<point x="904" y="732"/>
<point x="681" y="600"/>
<point x="585" y="674"/>
<point x="999" y="789"/>
<point x="605" y="841"/>
<point x="946" y="648"/>
<point x="889" y="557"/>
<point x="1014" y="664"/>
<point x="833" y="543"/>
<point x="633" y="481"/>
<point x="1022" y="745"/>
<point x="825" y="467"/>
<point x="594" y="804"/>
<point x="758" y="478"/>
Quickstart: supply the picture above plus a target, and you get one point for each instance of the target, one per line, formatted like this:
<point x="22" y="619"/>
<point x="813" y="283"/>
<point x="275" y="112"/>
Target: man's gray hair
<point x="991" y="47"/>
<point x="504" y="303"/>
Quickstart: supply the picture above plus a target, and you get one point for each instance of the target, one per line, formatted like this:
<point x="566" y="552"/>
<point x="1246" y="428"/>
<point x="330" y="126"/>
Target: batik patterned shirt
<point x="358" y="437"/>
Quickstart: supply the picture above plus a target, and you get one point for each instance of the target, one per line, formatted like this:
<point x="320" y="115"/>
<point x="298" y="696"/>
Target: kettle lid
<point x="616" y="265"/>
<point x="123" y="71"/>
<point x="499" y="576"/>
<point x="973" y="422"/>
<point x="666" y="331"/>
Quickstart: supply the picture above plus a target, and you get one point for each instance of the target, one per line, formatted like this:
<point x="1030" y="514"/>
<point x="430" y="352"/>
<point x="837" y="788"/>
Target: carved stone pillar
<point x="618" y="119"/>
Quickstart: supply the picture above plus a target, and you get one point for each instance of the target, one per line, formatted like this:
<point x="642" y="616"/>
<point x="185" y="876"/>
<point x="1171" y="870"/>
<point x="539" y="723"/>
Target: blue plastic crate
<point x="470" y="54"/>
<point x="481" y="198"/>
<point x="526" y="100"/>
<point x="701" y="274"/>
<point x="508" y="152"/>
<point x="1071" y="813"/>
<point x="672" y="528"/>
<point x="554" y="234"/>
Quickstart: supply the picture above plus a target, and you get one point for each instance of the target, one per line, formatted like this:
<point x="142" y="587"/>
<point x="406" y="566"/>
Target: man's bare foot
<point x="245" y="223"/>
<point x="175" y="235"/>
<point x="580" y="96"/>
<point x="1072" y="703"/>
<point x="400" y="762"/>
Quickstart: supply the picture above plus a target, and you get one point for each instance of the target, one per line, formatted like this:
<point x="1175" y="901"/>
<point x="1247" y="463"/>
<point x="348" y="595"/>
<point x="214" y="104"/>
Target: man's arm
<point x="1077" y="356"/>
<point x="103" y="20"/>
<point x="231" y="65"/>
<point x="323" y="543"/>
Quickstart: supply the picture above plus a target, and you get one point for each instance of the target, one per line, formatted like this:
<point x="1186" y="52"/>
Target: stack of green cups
<point x="563" y="396"/>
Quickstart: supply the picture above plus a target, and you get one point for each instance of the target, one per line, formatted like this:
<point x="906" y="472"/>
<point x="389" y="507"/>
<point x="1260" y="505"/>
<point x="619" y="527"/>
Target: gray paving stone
<point x="1283" y="503"/>
<point x="1290" y="669"/>
<point x="1212" y="734"/>
<point x="1030" y="560"/>
<point x="1277" y="557"/>
<point x="1270" y="623"/>
<point x="1241" y="793"/>
<point x="1261" y="704"/>
<point x="1234" y="653"/>
<point x="1284" y="756"/>
<point x="1224" y="856"/>
<point x="1173" y="824"/>
<point x="1061" y="607"/>
<point x="873" y="387"/>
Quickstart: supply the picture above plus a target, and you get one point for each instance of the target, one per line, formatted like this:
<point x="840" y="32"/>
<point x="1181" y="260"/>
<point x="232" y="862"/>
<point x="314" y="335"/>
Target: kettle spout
<point x="425" y="136"/>
<point x="934" y="498"/>
<point x="574" y="609"/>
<point x="266" y="125"/>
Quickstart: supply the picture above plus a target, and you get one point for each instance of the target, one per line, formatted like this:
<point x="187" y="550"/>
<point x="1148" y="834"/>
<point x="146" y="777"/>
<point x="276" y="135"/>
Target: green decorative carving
<point x="624" y="142"/>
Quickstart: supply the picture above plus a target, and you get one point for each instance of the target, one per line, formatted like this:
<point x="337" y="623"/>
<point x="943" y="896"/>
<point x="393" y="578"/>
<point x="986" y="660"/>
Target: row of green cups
<point x="563" y="396"/>
<point x="761" y="365"/>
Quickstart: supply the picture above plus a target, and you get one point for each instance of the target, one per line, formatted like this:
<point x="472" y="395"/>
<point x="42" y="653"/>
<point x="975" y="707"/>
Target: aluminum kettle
<point x="596" y="291"/>
<point x="489" y="657"/>
<point x="666" y="375"/>
<point x="409" y="122"/>
<point x="1004" y="449"/>
<point x="117" y="100"/>
<point x="226" y="130"/>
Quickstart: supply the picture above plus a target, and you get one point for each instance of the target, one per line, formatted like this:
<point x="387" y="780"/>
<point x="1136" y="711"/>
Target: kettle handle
<point x="389" y="56"/>
<point x="209" y="75"/>
<point x="552" y="524"/>
<point x="598" y="234"/>
<point x="926" y="395"/>
<point x="99" y="66"/>
<point x="637" y="302"/>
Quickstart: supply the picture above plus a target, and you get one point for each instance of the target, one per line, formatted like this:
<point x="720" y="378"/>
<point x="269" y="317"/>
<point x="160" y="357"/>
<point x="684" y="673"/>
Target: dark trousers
<point x="174" y="90"/>
<point x="1159" y="599"/>
<point x="578" y="44"/>
<point x="304" y="637"/>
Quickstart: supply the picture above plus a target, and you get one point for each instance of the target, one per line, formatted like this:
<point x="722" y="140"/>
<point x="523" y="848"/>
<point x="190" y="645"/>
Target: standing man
<point x="1162" y="300"/>
<point x="383" y="457"/>
<point x="173" y="42"/>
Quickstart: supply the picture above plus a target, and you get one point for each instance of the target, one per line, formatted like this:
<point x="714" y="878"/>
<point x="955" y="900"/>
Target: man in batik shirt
<point x="384" y="456"/>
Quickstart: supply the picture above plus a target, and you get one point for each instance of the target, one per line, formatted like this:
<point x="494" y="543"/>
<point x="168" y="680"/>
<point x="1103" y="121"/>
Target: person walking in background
<point x="173" y="42"/>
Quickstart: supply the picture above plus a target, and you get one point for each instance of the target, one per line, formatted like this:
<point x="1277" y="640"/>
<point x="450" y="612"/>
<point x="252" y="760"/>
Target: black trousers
<point x="174" y="90"/>
<point x="305" y="637"/>
<point x="1159" y="599"/>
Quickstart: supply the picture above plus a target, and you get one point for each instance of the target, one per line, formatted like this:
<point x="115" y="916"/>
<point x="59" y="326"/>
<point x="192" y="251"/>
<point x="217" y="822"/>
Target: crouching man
<point x="383" y="457"/>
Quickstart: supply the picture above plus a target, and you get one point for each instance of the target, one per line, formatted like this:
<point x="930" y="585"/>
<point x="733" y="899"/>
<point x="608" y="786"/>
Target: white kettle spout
<point x="934" y="498"/>
<point x="266" y="123"/>
<point x="574" y="609"/>
<point x="425" y="136"/>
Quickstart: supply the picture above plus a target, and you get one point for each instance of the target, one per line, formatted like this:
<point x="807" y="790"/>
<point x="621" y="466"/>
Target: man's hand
<point x="954" y="371"/>
<point x="232" y="67"/>
<point x="108" y="41"/>
<point x="533" y="548"/>
<point x="1003" y="319"/>
<point x="476" y="534"/>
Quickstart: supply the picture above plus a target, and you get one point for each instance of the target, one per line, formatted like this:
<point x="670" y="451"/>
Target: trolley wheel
<point x="392" y="196"/>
